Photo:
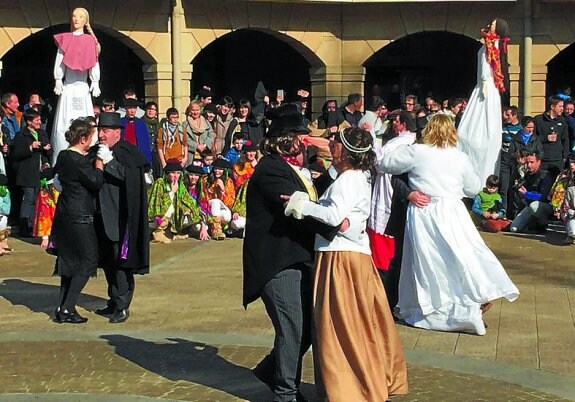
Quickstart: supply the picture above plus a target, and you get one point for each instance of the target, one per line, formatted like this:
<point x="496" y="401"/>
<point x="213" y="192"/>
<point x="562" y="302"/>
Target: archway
<point x="439" y="64"/>
<point x="560" y="71"/>
<point x="233" y="64"/>
<point x="28" y="66"/>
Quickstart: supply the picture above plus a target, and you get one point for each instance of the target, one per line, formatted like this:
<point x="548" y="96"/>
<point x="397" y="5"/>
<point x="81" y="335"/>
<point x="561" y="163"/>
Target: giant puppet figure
<point x="77" y="59"/>
<point x="481" y="125"/>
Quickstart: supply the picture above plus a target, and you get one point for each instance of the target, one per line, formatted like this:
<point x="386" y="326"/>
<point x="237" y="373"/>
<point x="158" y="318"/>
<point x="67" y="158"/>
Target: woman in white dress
<point x="77" y="59"/>
<point x="448" y="274"/>
<point x="481" y="124"/>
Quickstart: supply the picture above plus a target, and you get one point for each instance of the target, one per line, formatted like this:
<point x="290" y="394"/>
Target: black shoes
<point x="108" y="310"/>
<point x="267" y="380"/>
<point x="69" y="317"/>
<point x="120" y="316"/>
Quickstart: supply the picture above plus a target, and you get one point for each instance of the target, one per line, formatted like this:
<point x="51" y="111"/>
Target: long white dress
<point x="447" y="270"/>
<point x="481" y="124"/>
<point x="74" y="102"/>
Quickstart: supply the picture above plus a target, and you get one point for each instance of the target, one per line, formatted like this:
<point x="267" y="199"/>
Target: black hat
<point x="250" y="147"/>
<point x="316" y="167"/>
<point x="205" y="93"/>
<point x="47" y="174"/>
<point x="210" y="107"/>
<point x="172" y="167"/>
<point x="109" y="120"/>
<point x="3" y="180"/>
<point x="286" y="119"/>
<point x="132" y="102"/>
<point x="195" y="169"/>
<point x="222" y="164"/>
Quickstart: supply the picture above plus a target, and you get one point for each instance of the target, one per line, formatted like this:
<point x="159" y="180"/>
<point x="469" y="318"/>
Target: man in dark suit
<point x="278" y="253"/>
<point x="121" y="218"/>
<point x="32" y="150"/>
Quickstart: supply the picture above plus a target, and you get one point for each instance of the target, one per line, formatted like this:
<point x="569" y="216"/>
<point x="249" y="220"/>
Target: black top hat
<point x="210" y="107"/>
<point x="195" y="169"/>
<point x="222" y="164"/>
<point x="132" y="102"/>
<point x="286" y="119"/>
<point x="109" y="120"/>
<point x="3" y="180"/>
<point x="172" y="167"/>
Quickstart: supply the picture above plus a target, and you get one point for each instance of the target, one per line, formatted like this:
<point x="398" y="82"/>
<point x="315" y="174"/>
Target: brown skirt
<point x="360" y="352"/>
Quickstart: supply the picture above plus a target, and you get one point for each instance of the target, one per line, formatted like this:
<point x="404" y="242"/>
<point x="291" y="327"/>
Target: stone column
<point x="158" y="85"/>
<point x="334" y="82"/>
<point x="177" y="22"/>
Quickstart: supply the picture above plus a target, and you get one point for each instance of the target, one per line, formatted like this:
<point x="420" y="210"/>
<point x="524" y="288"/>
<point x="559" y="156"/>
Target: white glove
<point x="95" y="89"/>
<point x="571" y="213"/>
<point x="104" y="153"/>
<point x="296" y="203"/>
<point x="59" y="87"/>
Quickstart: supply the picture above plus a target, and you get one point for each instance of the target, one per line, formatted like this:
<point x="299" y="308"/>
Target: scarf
<point x="493" y="58"/>
<point x="525" y="136"/>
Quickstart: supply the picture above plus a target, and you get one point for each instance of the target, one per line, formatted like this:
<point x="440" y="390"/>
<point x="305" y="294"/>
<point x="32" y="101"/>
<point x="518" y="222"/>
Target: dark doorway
<point x="438" y="64"/>
<point x="233" y="64"/>
<point x="29" y="66"/>
<point x="560" y="72"/>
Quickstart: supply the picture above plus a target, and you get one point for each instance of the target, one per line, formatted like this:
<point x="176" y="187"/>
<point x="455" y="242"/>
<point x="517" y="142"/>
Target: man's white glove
<point x="296" y="203"/>
<point x="95" y="89"/>
<point x="104" y="153"/>
<point x="59" y="87"/>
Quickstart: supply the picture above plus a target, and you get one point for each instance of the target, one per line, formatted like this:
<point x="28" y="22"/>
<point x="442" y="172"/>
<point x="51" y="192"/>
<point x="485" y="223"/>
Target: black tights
<point x="70" y="289"/>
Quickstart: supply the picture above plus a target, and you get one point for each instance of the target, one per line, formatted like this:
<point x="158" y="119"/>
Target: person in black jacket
<point x="32" y="149"/>
<point x="552" y="129"/>
<point x="279" y="251"/>
<point x="121" y="217"/>
<point x="532" y="195"/>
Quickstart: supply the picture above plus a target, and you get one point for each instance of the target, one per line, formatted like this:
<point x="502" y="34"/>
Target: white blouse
<point x="348" y="197"/>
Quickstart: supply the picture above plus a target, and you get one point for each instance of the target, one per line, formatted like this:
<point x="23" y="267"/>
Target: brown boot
<point x="159" y="236"/>
<point x="217" y="232"/>
<point x="4" y="241"/>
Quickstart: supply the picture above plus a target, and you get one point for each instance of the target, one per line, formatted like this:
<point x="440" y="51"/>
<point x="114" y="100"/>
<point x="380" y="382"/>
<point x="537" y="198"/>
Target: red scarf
<point x="492" y="55"/>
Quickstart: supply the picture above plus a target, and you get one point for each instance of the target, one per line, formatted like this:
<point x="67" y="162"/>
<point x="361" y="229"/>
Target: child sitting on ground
<point x="487" y="205"/>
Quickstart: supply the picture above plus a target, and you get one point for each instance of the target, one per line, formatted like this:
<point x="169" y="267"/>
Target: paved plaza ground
<point x="189" y="339"/>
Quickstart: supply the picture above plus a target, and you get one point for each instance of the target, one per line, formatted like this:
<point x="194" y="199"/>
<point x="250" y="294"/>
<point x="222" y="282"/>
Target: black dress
<point x="73" y="230"/>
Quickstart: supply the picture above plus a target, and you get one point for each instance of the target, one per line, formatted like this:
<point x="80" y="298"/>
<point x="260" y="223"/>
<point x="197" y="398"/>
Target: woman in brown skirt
<point x="360" y="352"/>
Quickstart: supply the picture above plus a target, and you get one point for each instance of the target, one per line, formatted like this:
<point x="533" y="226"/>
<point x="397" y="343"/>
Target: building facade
<point x="169" y="48"/>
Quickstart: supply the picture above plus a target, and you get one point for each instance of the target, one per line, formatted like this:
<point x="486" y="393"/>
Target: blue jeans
<point x="536" y="210"/>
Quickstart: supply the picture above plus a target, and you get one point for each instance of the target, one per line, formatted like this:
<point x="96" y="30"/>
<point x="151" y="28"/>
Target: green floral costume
<point x="159" y="202"/>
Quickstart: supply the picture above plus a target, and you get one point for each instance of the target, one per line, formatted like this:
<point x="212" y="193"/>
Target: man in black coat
<point x="32" y="150"/>
<point x="278" y="253"/>
<point x="121" y="218"/>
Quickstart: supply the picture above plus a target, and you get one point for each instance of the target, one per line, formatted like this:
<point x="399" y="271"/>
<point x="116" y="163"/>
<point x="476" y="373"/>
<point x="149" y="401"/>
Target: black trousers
<point x="553" y="167"/>
<point x="287" y="299"/>
<point x="390" y="278"/>
<point x="70" y="290"/>
<point x="505" y="172"/>
<point x="28" y="210"/>
<point x="121" y="286"/>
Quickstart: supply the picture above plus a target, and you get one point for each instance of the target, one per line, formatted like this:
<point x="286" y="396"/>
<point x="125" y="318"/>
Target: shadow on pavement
<point x="42" y="298"/>
<point x="191" y="361"/>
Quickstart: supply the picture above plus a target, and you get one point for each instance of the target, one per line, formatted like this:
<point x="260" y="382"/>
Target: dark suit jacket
<point x="274" y="242"/>
<point x="26" y="162"/>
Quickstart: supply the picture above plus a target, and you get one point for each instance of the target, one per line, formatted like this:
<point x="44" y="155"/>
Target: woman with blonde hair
<point x="448" y="275"/>
<point x="76" y="60"/>
<point x="198" y="129"/>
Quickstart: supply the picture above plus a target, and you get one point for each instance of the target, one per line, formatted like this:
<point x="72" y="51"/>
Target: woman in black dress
<point x="73" y="232"/>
